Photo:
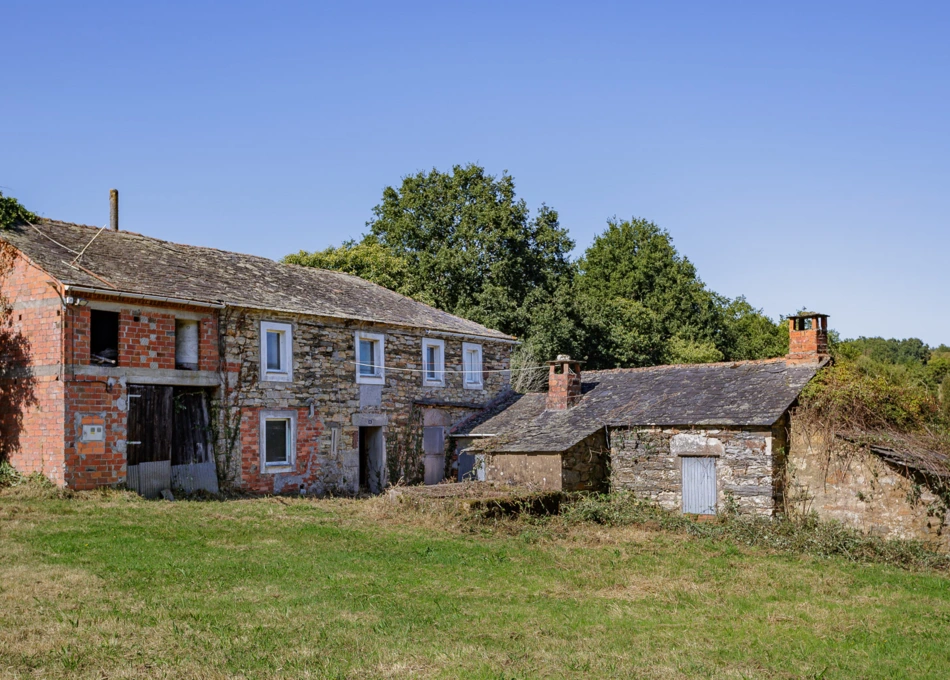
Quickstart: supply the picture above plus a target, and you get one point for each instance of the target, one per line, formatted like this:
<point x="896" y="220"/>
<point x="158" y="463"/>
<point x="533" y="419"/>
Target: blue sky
<point x="799" y="153"/>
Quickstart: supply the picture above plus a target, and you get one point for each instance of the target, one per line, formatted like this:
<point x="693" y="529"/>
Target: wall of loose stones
<point x="645" y="461"/>
<point x="324" y="376"/>
<point x="849" y="484"/>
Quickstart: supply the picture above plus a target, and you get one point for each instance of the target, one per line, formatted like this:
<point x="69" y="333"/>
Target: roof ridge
<point x="741" y="362"/>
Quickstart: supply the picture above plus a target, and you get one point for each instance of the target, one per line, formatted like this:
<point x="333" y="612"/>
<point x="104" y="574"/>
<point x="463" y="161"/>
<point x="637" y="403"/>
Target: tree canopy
<point x="463" y="242"/>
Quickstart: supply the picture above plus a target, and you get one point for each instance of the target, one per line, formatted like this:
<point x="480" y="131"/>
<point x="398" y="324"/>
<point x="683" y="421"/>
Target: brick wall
<point x="808" y="345"/>
<point x="307" y="469"/>
<point x="94" y="400"/>
<point x="31" y="389"/>
<point x="146" y="341"/>
<point x="146" y="336"/>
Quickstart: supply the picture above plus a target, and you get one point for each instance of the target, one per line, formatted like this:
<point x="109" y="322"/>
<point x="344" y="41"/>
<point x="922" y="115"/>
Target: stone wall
<point x="648" y="462"/>
<point x="583" y="467"/>
<point x="542" y="471"/>
<point x="324" y="380"/>
<point x="854" y="486"/>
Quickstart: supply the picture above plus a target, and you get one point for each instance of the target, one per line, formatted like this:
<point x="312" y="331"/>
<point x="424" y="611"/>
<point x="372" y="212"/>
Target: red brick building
<point x="128" y="360"/>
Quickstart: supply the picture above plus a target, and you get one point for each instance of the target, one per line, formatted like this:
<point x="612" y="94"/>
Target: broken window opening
<point x="103" y="338"/>
<point x="186" y="345"/>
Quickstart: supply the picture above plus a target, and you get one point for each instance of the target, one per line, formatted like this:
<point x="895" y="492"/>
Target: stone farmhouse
<point x="157" y="365"/>
<point x="703" y="437"/>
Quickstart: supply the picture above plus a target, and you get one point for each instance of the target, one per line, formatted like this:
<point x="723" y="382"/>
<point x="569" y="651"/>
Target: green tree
<point x="635" y="260"/>
<point x="468" y="244"/>
<point x="645" y="304"/>
<point x="749" y="334"/>
<point x="367" y="259"/>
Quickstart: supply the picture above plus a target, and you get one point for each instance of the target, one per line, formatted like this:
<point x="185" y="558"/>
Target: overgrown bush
<point x="9" y="475"/>
<point x="808" y="535"/>
<point x="864" y="395"/>
<point x="12" y="213"/>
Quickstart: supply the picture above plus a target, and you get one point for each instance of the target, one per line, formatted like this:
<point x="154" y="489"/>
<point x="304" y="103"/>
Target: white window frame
<point x="286" y="372"/>
<point x="379" y="359"/>
<point x="290" y="464"/>
<point x="477" y="381"/>
<point x="439" y="380"/>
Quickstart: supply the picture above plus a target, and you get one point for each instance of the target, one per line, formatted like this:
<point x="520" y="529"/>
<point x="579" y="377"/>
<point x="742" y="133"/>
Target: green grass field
<point x="112" y="586"/>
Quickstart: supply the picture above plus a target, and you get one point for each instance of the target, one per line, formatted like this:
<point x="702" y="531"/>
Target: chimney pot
<point x="807" y="337"/>
<point x="114" y="209"/>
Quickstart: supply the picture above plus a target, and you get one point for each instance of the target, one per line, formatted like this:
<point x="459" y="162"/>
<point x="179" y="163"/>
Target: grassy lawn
<point x="108" y="585"/>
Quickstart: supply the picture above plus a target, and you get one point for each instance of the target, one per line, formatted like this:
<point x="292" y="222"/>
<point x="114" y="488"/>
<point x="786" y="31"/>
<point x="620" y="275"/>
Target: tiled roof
<point x="745" y="393"/>
<point x="137" y="264"/>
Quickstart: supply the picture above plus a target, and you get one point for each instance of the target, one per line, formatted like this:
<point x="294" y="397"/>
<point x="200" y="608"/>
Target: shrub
<point x="865" y="396"/>
<point x="807" y="535"/>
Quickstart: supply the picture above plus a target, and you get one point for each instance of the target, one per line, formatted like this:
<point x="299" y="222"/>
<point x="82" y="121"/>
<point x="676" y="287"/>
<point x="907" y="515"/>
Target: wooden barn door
<point x="149" y="439"/>
<point x="169" y="441"/>
<point x="699" y="485"/>
<point x="193" y="467"/>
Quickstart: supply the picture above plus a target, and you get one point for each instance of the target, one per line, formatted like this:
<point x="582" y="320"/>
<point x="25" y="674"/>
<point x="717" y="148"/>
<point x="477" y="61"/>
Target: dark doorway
<point x="168" y="443"/>
<point x="372" y="459"/>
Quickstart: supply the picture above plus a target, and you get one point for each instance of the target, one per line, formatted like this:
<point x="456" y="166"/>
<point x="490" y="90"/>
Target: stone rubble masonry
<point x="324" y="377"/>
<point x="648" y="463"/>
<point x="857" y="488"/>
<point x="580" y="468"/>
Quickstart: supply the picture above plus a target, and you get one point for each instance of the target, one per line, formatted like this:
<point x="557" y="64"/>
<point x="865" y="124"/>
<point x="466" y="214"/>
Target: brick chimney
<point x="807" y="337"/>
<point x="564" y="383"/>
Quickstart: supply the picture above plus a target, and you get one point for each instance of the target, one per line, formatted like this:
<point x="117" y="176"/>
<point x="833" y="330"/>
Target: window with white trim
<point x="370" y="358"/>
<point x="433" y="362"/>
<point x="472" y="365"/>
<point x="278" y="431"/>
<point x="276" y="356"/>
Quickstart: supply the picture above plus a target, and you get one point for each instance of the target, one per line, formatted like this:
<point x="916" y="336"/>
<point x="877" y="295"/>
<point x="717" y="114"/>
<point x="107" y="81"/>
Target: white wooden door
<point x="699" y="485"/>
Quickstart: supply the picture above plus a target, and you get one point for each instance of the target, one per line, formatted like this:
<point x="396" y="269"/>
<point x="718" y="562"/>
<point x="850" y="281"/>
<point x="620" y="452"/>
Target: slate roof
<point x="138" y="264"/>
<point x="745" y="393"/>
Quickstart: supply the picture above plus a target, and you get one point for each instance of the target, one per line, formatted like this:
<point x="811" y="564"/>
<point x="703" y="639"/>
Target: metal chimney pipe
<point x="114" y="209"/>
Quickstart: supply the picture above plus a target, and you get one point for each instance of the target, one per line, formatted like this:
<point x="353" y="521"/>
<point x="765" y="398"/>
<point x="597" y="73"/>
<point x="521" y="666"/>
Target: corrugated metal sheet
<point x="194" y="477"/>
<point x="699" y="485"/>
<point x="150" y="478"/>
